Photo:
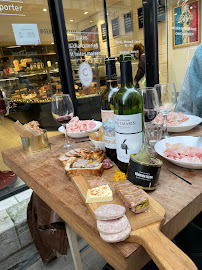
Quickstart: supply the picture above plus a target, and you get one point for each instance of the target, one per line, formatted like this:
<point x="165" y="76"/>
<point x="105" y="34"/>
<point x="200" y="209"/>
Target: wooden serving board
<point x="145" y="227"/>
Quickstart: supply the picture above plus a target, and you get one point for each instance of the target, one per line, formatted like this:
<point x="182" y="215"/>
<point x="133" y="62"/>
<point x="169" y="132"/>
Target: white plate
<point x="187" y="141"/>
<point x="192" y="122"/>
<point x="82" y="133"/>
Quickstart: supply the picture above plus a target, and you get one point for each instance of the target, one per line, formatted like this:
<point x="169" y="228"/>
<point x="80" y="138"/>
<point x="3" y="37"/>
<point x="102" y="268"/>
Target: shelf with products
<point x="33" y="87"/>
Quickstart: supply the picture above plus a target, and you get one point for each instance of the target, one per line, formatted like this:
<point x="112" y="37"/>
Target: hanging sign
<point x="85" y="74"/>
<point x="26" y="34"/>
<point x="115" y="27"/>
<point x="128" y="22"/>
<point x="140" y="17"/>
<point x="103" y="29"/>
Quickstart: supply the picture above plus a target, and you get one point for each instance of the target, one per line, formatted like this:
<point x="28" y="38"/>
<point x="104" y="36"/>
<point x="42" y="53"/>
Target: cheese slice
<point x="99" y="194"/>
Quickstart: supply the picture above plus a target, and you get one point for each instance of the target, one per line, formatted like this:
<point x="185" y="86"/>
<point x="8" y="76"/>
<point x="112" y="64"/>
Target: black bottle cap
<point x="111" y="68"/>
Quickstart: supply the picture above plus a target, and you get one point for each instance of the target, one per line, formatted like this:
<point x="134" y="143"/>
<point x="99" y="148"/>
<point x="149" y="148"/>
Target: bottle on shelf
<point x="128" y="115"/>
<point x="107" y="108"/>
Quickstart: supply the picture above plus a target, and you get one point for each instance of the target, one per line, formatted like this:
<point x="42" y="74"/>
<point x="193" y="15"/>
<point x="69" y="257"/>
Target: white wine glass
<point x="167" y="101"/>
<point x="62" y="111"/>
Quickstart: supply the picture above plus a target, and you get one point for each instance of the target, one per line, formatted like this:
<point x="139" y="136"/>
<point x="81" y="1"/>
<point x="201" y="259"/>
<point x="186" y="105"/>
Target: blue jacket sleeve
<point x="185" y="103"/>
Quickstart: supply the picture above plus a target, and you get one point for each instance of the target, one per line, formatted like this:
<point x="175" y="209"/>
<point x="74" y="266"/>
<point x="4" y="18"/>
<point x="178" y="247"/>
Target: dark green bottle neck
<point x="126" y="74"/>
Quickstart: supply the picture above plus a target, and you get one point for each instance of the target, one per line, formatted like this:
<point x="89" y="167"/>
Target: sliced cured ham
<point x="179" y="151"/>
<point x="76" y="125"/>
<point x="173" y="119"/>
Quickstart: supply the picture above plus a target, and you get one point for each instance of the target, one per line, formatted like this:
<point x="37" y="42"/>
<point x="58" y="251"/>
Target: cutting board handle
<point x="165" y="254"/>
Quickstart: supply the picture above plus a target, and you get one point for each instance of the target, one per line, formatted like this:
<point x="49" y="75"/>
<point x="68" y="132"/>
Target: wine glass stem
<point x="165" y="123"/>
<point x="66" y="137"/>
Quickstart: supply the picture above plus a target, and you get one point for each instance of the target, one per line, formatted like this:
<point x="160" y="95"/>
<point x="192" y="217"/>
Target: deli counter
<point x="29" y="94"/>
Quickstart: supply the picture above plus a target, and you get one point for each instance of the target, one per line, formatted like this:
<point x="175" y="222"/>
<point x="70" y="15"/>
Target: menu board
<point x="128" y="22"/>
<point x="115" y="27"/>
<point x="160" y="11"/>
<point x="103" y="30"/>
<point x="140" y="17"/>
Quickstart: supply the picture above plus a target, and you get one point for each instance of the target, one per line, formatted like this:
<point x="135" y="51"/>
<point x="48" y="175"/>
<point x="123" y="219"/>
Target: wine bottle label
<point x="109" y="128"/>
<point x="128" y="133"/>
<point x="128" y="123"/>
<point x="127" y="144"/>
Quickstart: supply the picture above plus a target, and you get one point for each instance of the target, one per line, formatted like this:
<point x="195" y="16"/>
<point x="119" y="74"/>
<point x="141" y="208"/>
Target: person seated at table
<point x="190" y="98"/>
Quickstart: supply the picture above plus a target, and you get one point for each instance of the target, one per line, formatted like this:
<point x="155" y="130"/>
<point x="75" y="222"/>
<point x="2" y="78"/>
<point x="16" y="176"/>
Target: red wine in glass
<point x="64" y="119"/>
<point x="149" y="115"/>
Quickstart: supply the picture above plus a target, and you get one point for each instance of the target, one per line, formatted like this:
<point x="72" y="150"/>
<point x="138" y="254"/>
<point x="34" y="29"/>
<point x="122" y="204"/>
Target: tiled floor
<point x="9" y="138"/>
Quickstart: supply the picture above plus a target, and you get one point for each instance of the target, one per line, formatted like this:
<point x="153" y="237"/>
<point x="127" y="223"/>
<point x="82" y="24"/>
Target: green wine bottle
<point x="128" y="116"/>
<point x="107" y="108"/>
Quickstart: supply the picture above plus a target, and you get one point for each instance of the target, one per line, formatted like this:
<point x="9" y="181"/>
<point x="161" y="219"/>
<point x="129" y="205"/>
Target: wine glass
<point x="150" y="109"/>
<point x="167" y="101"/>
<point x="63" y="111"/>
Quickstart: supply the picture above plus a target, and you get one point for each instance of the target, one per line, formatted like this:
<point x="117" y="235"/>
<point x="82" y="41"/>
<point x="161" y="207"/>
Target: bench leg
<point x="72" y="239"/>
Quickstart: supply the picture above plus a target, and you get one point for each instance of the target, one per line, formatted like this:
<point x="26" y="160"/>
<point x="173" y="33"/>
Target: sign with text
<point x="12" y="8"/>
<point x="128" y="22"/>
<point x="115" y="27"/>
<point x="26" y="34"/>
<point x="140" y="17"/>
<point x="161" y="10"/>
<point x="103" y="30"/>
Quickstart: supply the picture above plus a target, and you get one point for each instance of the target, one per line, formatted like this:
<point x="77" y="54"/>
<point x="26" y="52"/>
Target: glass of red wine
<point x="63" y="111"/>
<point x="150" y="108"/>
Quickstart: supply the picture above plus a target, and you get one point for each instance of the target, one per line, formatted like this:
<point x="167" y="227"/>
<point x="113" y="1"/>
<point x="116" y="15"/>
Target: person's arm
<point x="185" y="104"/>
<point x="141" y="69"/>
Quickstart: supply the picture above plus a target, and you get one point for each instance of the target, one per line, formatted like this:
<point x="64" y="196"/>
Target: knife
<point x="180" y="177"/>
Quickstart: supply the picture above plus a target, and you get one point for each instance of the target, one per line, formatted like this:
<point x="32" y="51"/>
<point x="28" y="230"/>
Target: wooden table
<point x="44" y="173"/>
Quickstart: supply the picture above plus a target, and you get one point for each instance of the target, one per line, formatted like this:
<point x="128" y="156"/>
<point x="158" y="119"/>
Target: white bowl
<point x="187" y="141"/>
<point x="98" y="144"/>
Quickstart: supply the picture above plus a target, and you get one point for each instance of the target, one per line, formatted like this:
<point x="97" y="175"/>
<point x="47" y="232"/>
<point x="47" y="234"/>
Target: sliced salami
<point x="107" y="164"/>
<point x="118" y="237"/>
<point x="109" y="211"/>
<point x="112" y="226"/>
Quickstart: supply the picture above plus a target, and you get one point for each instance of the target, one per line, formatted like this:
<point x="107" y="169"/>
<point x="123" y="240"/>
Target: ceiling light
<point x="52" y="42"/>
<point x="86" y="12"/>
<point x="91" y="21"/>
<point x="71" y="20"/>
<point x="44" y="9"/>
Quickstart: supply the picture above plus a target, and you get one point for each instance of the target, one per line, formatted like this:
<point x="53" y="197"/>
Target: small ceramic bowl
<point x="98" y="144"/>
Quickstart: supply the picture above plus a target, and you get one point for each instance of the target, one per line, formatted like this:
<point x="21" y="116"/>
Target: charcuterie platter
<point x="145" y="227"/>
